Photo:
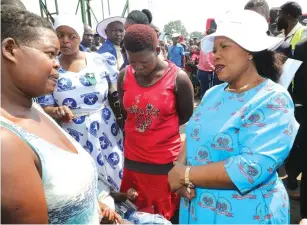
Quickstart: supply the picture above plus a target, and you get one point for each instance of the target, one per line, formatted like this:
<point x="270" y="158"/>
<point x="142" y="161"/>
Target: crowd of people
<point x="95" y="123"/>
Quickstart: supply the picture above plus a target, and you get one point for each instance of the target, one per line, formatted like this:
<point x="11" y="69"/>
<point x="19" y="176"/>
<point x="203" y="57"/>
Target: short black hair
<point x="21" y="25"/>
<point x="269" y="64"/>
<point x="140" y="37"/>
<point x="139" y="17"/>
<point x="292" y="8"/>
<point x="262" y="5"/>
<point x="16" y="3"/>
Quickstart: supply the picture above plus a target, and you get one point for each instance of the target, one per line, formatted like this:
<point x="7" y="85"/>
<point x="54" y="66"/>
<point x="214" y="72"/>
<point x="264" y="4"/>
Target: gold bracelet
<point x="187" y="177"/>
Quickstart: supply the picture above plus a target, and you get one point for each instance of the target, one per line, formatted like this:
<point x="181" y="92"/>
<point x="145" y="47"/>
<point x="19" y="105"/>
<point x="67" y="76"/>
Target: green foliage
<point x="197" y="34"/>
<point x="175" y="27"/>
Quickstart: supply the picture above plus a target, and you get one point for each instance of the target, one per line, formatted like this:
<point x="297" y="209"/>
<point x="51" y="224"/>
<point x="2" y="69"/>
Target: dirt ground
<point x="294" y="205"/>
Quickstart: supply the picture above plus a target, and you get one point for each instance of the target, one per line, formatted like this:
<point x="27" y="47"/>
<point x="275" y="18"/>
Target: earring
<point x="250" y="58"/>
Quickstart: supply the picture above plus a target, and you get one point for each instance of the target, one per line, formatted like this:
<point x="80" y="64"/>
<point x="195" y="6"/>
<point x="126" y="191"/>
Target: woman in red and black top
<point x="157" y="98"/>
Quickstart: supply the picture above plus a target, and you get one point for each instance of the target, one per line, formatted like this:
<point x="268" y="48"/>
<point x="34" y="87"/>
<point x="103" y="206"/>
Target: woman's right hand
<point x="183" y="192"/>
<point x="62" y="113"/>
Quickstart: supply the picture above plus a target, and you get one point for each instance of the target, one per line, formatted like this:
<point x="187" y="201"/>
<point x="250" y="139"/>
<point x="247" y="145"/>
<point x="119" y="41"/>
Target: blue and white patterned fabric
<point x="252" y="132"/>
<point x="69" y="179"/>
<point x="147" y="218"/>
<point x="94" y="125"/>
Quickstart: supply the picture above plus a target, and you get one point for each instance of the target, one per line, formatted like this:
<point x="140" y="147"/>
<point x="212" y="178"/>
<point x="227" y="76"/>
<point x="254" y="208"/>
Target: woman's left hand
<point x="176" y="176"/>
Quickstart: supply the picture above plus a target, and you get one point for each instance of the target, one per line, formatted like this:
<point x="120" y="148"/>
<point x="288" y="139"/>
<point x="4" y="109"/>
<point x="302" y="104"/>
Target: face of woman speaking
<point x="32" y="67"/>
<point x="230" y="60"/>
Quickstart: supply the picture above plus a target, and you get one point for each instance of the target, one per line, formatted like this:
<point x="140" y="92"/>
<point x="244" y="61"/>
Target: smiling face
<point x="69" y="40"/>
<point x="32" y="67"/>
<point x="227" y="67"/>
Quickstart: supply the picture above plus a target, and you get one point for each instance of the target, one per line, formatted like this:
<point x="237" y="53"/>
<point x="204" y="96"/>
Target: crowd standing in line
<point x="109" y="126"/>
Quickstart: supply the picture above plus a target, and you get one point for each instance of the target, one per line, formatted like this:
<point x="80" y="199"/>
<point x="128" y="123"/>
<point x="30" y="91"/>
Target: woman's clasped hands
<point x="176" y="180"/>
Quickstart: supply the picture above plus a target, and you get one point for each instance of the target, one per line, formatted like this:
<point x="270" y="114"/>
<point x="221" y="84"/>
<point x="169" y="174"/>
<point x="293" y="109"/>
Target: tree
<point x="197" y="34"/>
<point x="175" y="27"/>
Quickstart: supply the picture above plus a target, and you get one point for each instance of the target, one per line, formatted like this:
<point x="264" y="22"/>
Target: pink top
<point x="205" y="61"/>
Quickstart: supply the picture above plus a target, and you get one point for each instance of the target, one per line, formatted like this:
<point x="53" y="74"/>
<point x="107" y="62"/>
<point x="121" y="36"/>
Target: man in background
<point x="288" y="22"/>
<point x="98" y="42"/>
<point x="205" y="66"/>
<point x="113" y="31"/>
<point x="195" y="40"/>
<point x="176" y="52"/>
<point x="261" y="7"/>
<point x="87" y="40"/>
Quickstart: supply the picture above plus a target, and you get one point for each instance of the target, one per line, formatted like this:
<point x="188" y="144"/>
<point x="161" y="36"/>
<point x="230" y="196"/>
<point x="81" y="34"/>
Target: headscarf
<point x="71" y="21"/>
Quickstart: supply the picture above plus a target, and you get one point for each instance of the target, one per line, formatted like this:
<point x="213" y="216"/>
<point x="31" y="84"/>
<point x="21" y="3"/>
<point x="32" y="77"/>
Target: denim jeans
<point x="205" y="79"/>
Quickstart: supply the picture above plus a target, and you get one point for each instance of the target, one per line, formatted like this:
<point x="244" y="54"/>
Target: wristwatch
<point x="187" y="182"/>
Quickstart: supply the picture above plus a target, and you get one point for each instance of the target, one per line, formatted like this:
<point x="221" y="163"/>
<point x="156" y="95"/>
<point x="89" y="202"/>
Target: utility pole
<point x="83" y="11"/>
<point x="109" y="7"/>
<point x="89" y="13"/>
<point x="102" y="9"/>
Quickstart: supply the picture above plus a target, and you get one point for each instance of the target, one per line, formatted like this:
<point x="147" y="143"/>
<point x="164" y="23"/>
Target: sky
<point x="192" y="13"/>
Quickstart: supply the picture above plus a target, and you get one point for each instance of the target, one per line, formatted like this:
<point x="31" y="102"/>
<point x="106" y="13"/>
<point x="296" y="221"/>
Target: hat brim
<point x="251" y="43"/>
<point x="175" y="35"/>
<point x="102" y="26"/>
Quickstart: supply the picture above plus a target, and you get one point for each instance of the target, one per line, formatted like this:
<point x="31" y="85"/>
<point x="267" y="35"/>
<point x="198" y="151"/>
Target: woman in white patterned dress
<point x="80" y="101"/>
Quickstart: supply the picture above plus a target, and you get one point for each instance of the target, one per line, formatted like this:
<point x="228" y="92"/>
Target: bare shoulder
<point x="12" y="144"/>
<point x="183" y="78"/>
<point x="22" y="192"/>
<point x="15" y="152"/>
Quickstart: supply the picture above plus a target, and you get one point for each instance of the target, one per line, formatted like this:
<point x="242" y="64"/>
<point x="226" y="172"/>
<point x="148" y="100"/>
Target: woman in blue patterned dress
<point x="240" y="134"/>
<point x="80" y="101"/>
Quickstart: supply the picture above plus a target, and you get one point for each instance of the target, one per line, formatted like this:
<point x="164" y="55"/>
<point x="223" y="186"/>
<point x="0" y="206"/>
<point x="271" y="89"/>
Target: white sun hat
<point x="102" y="26"/>
<point x="245" y="27"/>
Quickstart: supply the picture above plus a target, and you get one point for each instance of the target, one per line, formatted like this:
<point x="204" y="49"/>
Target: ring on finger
<point x="189" y="190"/>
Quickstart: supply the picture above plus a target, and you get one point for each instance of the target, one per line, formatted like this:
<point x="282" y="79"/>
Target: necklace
<point x="240" y="89"/>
